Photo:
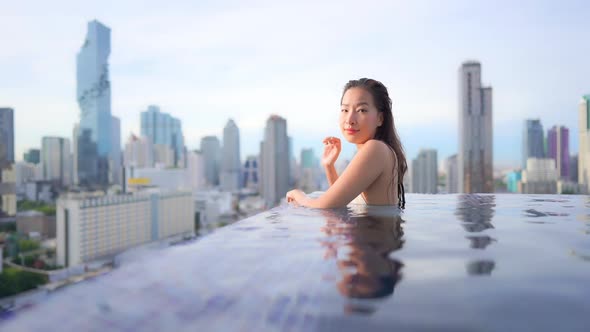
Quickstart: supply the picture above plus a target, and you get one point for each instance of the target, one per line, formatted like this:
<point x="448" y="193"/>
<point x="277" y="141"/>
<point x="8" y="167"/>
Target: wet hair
<point x="386" y="132"/>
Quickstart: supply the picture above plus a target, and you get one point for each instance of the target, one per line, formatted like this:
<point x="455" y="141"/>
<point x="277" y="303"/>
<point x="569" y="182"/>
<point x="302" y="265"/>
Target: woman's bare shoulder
<point x="381" y="149"/>
<point x="375" y="145"/>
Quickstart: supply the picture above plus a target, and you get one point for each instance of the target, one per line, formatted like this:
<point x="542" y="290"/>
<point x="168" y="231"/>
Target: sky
<point x="207" y="62"/>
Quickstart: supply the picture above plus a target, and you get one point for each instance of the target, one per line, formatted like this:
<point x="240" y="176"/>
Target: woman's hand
<point x="332" y="149"/>
<point x="296" y="196"/>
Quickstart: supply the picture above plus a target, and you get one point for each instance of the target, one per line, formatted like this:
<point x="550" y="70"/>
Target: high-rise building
<point x="292" y="164"/>
<point x="75" y="133"/>
<point x="574" y="168"/>
<point x="475" y="155"/>
<point x="94" y="140"/>
<point x="309" y="172"/>
<point x="24" y="172"/>
<point x="425" y="172"/>
<point x="6" y="136"/>
<point x="116" y="166"/>
<point x="211" y="151"/>
<point x="195" y="166"/>
<point x="558" y="149"/>
<point x="56" y="160"/>
<point x="164" y="129"/>
<point x="139" y="152"/>
<point x="90" y="228"/>
<point x="584" y="137"/>
<point x="230" y="162"/>
<point x="452" y="170"/>
<point x="163" y="156"/>
<point x="275" y="161"/>
<point x="308" y="159"/>
<point x="7" y="174"/>
<point x="532" y="140"/>
<point x="32" y="156"/>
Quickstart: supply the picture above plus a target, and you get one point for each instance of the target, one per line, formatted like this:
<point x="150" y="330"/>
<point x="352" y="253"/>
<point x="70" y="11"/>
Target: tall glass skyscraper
<point x="475" y="132"/>
<point x="274" y="164"/>
<point x="532" y="141"/>
<point x="6" y="136"/>
<point x="425" y="172"/>
<point x="94" y="98"/>
<point x="7" y="185"/>
<point x="307" y="158"/>
<point x="211" y="151"/>
<point x="230" y="162"/>
<point x="162" y="128"/>
<point x="55" y="159"/>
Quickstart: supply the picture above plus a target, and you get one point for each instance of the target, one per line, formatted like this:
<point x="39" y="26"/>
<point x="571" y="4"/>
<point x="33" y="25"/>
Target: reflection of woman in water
<point x="375" y="174"/>
<point x="367" y="271"/>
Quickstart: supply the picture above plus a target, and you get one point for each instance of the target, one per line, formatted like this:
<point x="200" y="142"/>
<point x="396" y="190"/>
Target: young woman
<point x="375" y="174"/>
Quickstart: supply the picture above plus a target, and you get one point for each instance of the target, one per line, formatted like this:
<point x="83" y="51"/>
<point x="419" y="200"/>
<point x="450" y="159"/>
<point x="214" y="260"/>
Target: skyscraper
<point x="424" y="172"/>
<point x="292" y="163"/>
<point x="211" y="151"/>
<point x="574" y="168"/>
<point x="116" y="167"/>
<point x="162" y="128"/>
<point x="195" y="167"/>
<point x="6" y="136"/>
<point x="139" y="152"/>
<point x="532" y="141"/>
<point x="94" y="98"/>
<point x="584" y="137"/>
<point x="558" y="149"/>
<point x="55" y="159"/>
<point x="275" y="161"/>
<point x="230" y="162"/>
<point x="475" y="131"/>
<point x="452" y="181"/>
<point x="308" y="159"/>
<point x="7" y="174"/>
<point x="309" y="172"/>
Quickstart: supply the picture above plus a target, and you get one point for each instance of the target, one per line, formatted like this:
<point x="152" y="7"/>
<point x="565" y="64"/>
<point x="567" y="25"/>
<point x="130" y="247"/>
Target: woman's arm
<point x="332" y="148"/>
<point x="362" y="171"/>
<point x="331" y="174"/>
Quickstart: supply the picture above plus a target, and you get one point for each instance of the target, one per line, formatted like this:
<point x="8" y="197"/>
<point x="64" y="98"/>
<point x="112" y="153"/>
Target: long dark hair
<point x="386" y="132"/>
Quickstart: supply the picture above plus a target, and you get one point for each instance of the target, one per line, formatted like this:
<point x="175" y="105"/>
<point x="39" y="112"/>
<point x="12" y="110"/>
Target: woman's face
<point x="359" y="118"/>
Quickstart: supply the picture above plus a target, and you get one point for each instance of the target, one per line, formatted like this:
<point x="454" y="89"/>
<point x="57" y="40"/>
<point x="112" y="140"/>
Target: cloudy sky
<point x="207" y="62"/>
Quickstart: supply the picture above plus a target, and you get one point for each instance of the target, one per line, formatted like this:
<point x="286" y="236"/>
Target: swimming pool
<point x="448" y="262"/>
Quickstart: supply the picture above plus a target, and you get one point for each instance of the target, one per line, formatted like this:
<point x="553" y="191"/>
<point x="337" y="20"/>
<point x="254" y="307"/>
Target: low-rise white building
<point x="539" y="177"/>
<point x="99" y="227"/>
<point x="212" y="205"/>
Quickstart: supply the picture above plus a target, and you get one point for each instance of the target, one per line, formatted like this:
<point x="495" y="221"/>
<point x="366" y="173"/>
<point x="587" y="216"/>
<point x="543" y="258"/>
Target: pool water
<point x="446" y="263"/>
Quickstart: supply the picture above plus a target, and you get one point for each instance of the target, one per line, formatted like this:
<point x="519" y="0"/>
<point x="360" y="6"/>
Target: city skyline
<point x="224" y="75"/>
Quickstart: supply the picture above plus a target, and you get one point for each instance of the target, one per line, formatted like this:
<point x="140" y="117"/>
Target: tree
<point x="14" y="281"/>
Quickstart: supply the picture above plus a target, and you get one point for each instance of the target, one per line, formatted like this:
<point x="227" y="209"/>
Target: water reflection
<point x="361" y="243"/>
<point x="480" y="268"/>
<point x="480" y="241"/>
<point x="476" y="212"/>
